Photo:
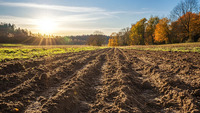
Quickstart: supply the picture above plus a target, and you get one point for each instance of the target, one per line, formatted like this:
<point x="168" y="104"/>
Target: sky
<point x="78" y="17"/>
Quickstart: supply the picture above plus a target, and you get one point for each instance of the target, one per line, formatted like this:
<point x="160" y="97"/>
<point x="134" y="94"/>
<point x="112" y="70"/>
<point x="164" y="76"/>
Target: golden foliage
<point x="162" y="31"/>
<point x="113" y="41"/>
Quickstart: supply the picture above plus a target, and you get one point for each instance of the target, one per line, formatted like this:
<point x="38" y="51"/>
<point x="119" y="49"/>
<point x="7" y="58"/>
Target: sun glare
<point x="46" y="25"/>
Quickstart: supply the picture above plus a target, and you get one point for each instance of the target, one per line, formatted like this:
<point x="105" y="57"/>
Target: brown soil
<point x="107" y="80"/>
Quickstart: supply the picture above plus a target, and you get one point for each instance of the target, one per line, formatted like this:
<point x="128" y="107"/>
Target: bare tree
<point x="185" y="7"/>
<point x="97" y="39"/>
<point x="98" y="33"/>
<point x="125" y="32"/>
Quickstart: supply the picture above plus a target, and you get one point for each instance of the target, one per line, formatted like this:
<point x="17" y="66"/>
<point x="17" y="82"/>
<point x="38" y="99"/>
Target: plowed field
<point x="105" y="81"/>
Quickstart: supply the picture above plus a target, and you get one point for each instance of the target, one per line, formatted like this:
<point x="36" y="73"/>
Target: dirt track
<point x="107" y="80"/>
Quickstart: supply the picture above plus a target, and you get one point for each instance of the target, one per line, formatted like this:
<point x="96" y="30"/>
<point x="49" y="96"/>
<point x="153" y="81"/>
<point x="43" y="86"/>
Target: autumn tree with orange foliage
<point x="162" y="32"/>
<point x="195" y="27"/>
<point x="184" y="13"/>
<point x="186" y="28"/>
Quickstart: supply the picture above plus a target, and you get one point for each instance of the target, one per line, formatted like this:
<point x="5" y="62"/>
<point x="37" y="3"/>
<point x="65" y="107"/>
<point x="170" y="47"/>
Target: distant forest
<point x="183" y="26"/>
<point x="10" y="34"/>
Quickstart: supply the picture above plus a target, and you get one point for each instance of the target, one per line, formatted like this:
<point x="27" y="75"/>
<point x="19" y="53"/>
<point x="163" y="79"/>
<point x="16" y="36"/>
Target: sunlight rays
<point x="46" y="25"/>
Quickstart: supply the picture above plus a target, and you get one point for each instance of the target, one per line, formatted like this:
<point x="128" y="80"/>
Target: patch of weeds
<point x="27" y="53"/>
<point x="178" y="49"/>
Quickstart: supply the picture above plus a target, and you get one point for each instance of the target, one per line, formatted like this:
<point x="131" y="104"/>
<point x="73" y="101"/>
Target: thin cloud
<point x="16" y="20"/>
<point x="53" y="7"/>
<point x="29" y="24"/>
<point x="144" y="12"/>
<point x="88" y="10"/>
<point x="145" y="8"/>
<point x="81" y="31"/>
<point x="61" y="19"/>
<point x="80" y="20"/>
<point x="26" y="22"/>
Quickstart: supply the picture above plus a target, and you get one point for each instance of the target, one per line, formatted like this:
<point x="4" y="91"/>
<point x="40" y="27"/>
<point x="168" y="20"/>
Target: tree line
<point x="183" y="26"/>
<point x="97" y="39"/>
<point x="9" y="33"/>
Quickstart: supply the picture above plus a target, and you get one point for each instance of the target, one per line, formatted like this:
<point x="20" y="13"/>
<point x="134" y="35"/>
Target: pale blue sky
<point x="76" y="17"/>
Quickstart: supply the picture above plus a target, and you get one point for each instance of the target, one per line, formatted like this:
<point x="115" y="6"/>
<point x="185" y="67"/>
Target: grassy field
<point x="19" y="51"/>
<point x="181" y="47"/>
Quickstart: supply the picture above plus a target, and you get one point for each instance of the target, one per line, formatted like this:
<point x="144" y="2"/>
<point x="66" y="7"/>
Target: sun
<point x="46" y="25"/>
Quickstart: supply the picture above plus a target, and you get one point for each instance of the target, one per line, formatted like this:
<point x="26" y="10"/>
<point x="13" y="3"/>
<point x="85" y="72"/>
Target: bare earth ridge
<point x="106" y="80"/>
